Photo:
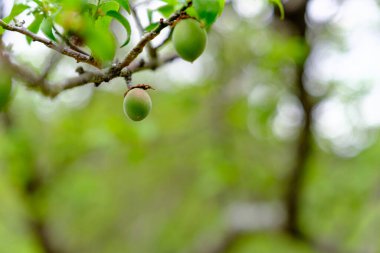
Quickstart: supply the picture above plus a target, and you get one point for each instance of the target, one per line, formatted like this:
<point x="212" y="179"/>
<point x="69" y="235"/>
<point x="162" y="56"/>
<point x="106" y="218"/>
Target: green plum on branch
<point x="137" y="103"/>
<point x="189" y="39"/>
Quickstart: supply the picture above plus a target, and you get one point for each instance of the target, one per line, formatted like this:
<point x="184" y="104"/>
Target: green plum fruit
<point x="137" y="104"/>
<point x="189" y="39"/>
<point x="5" y="89"/>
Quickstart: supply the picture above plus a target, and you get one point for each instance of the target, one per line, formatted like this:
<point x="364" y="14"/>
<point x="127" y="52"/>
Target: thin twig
<point x="151" y="50"/>
<point x="50" y="63"/>
<point x="67" y="41"/>
<point x="79" y="57"/>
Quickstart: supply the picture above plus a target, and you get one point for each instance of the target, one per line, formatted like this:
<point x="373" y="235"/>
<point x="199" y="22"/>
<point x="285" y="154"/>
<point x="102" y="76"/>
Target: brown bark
<point x="294" y="190"/>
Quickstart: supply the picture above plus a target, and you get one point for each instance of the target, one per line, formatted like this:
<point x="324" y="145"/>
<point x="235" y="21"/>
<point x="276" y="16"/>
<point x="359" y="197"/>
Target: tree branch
<point x="150" y="36"/>
<point x="50" y="64"/>
<point x="34" y="81"/>
<point x="132" y="55"/>
<point x="47" y="88"/>
<point x="79" y="57"/>
<point x="303" y="146"/>
<point x="37" y="224"/>
<point x="67" y="41"/>
<point x="302" y="151"/>
<point x="42" y="235"/>
<point x="151" y="51"/>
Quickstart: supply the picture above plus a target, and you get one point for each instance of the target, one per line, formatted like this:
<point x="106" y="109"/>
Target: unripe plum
<point x="189" y="39"/>
<point x="137" y="104"/>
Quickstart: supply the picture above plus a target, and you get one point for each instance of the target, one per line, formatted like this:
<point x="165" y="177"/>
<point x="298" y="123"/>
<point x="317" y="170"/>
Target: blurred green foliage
<point x="164" y="185"/>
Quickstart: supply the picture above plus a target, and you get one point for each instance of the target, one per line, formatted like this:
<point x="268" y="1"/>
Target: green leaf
<point x="150" y="15"/>
<point x="280" y="7"/>
<point x="72" y="4"/>
<point x="171" y="2"/>
<point x="191" y="12"/>
<point x="47" y="28"/>
<point x="221" y="6"/>
<point x="16" y="10"/>
<point x="108" y="6"/>
<point x="124" y="22"/>
<point x="38" y="2"/>
<point x="34" y="27"/>
<point x="166" y="10"/>
<point x="125" y="5"/>
<point x="91" y="8"/>
<point x="99" y="39"/>
<point x="207" y="10"/>
<point x="150" y="27"/>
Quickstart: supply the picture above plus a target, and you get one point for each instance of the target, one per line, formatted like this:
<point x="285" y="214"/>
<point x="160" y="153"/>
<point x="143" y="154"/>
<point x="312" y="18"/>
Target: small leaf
<point x="221" y="6"/>
<point x="99" y="39"/>
<point x="150" y="15"/>
<point x="166" y="10"/>
<point x="90" y="8"/>
<point x="47" y="28"/>
<point x="34" y="27"/>
<point x="16" y="10"/>
<point x="106" y="7"/>
<point x="280" y="7"/>
<point x="207" y="10"/>
<point x="38" y="2"/>
<point x="191" y="12"/>
<point x="150" y="27"/>
<point x="125" y="5"/>
<point x="171" y="2"/>
<point x="124" y="23"/>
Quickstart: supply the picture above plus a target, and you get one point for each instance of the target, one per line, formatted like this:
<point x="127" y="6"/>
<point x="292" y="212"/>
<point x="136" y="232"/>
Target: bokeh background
<point x="268" y="143"/>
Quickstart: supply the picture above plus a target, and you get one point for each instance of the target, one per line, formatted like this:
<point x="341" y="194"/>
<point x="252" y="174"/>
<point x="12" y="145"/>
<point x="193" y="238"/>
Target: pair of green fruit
<point x="189" y="40"/>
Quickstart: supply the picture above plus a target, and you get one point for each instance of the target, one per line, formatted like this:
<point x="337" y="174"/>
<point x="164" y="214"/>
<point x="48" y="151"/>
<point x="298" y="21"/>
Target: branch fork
<point x="32" y="80"/>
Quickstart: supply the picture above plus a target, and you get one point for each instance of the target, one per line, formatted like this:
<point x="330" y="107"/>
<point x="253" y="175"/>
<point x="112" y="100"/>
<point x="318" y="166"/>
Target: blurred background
<point x="268" y="143"/>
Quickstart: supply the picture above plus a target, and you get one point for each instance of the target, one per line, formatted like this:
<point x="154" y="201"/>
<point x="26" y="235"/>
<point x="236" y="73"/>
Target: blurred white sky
<point x="355" y="68"/>
<point x="342" y="121"/>
<point x="358" y="64"/>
